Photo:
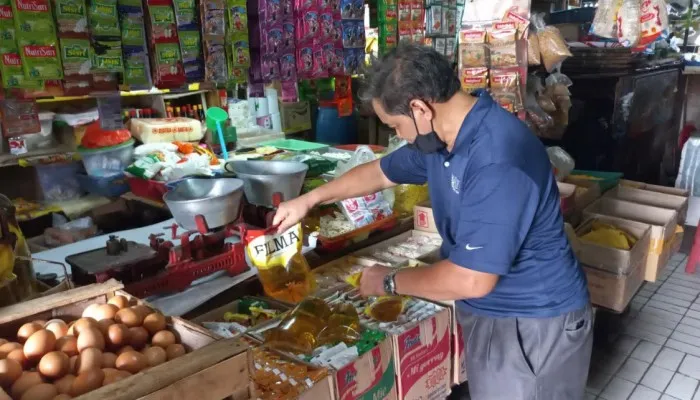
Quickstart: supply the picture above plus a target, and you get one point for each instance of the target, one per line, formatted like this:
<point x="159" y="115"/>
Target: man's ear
<point x="421" y="109"/>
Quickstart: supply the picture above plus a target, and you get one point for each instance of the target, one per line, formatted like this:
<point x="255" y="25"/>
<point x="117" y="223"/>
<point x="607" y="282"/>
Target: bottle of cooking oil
<point x="386" y="308"/>
<point x="343" y="326"/>
<point x="298" y="331"/>
<point x="282" y="269"/>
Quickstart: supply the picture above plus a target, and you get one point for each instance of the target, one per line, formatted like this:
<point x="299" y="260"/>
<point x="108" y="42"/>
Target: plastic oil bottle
<point x="343" y="326"/>
<point x="298" y="331"/>
<point x="290" y="283"/>
<point x="386" y="308"/>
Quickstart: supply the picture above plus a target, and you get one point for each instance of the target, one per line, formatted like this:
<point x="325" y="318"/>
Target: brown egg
<point x="117" y="335"/>
<point x="142" y="310"/>
<point x="119" y="301"/>
<point x="3" y="341"/>
<point x="175" y="350"/>
<point x="109" y="360"/>
<point x="154" y="322"/>
<point x="64" y="384"/>
<point x="27" y="330"/>
<point x="132" y="361"/>
<point x="90" y="358"/>
<point x="54" y="364"/>
<point x="63" y="396"/>
<point x="124" y="350"/>
<point x="112" y="375"/>
<point x="104" y="325"/>
<point x="40" y="343"/>
<point x="84" y="323"/>
<point x="155" y="356"/>
<point x="7" y="348"/>
<point x="18" y="355"/>
<point x="90" y="337"/>
<point x="129" y="317"/>
<point x="163" y="339"/>
<point x="105" y="311"/>
<point x="73" y="364"/>
<point x="41" y="322"/>
<point x="89" y="311"/>
<point x="87" y="382"/>
<point x="58" y="327"/>
<point x="138" y="336"/>
<point x="26" y="381"/>
<point x="10" y="371"/>
<point x="68" y="345"/>
<point x="42" y="391"/>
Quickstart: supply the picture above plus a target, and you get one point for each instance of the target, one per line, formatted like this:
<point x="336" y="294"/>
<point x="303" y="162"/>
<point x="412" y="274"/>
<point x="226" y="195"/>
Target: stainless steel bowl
<point x="218" y="200"/>
<point x="261" y="179"/>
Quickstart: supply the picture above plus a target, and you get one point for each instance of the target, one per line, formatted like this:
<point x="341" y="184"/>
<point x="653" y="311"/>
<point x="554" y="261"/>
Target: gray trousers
<point x="528" y="358"/>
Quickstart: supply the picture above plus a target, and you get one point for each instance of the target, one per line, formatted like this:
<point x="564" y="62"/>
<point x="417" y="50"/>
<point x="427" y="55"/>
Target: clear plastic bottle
<point x="298" y="331"/>
<point x="343" y="326"/>
<point x="386" y="308"/>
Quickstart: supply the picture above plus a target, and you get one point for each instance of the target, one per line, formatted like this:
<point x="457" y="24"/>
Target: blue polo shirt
<point x="496" y="205"/>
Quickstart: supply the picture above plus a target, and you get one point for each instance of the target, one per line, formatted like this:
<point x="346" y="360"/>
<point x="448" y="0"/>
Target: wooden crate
<point x="210" y="370"/>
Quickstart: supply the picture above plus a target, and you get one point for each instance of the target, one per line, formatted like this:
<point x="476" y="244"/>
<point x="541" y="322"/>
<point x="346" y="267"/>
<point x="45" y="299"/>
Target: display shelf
<point x="191" y="89"/>
<point x="62" y="151"/>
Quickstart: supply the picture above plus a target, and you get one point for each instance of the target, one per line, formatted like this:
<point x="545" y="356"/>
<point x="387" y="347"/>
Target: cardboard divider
<point x="367" y="253"/>
<point x="651" y="198"/>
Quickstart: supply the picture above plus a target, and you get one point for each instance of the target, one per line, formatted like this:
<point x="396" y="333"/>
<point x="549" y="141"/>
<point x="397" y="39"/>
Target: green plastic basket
<point x="295" y="145"/>
<point x="606" y="180"/>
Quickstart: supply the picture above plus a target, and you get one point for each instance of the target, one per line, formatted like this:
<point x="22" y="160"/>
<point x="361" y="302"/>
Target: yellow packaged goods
<point x="165" y="130"/>
<point x="610" y="236"/>
<point x="278" y="378"/>
<point x="299" y="330"/>
<point x="282" y="269"/>
<point x="343" y="326"/>
<point x="383" y="308"/>
<point x="407" y="197"/>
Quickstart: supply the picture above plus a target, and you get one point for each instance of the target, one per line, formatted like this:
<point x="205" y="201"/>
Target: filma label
<point x="277" y="244"/>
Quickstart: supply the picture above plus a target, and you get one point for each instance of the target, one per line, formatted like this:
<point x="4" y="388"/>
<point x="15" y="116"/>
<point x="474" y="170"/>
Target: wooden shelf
<point x="7" y="160"/>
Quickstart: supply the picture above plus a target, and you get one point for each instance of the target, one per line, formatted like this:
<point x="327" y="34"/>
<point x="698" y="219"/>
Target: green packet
<point x="104" y="27"/>
<point x="107" y="56"/>
<point x="185" y="13"/>
<point x="7" y="26"/>
<point x="40" y="58"/>
<point x="75" y="54"/>
<point x="136" y="71"/>
<point x="133" y="33"/>
<point x="71" y="16"/>
<point x="190" y="45"/>
<point x="33" y="18"/>
<point x="13" y="73"/>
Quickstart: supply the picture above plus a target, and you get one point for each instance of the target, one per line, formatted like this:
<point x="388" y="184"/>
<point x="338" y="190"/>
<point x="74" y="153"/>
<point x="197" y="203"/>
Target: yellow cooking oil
<point x="343" y="326"/>
<point x="298" y="331"/>
<point x="386" y="308"/>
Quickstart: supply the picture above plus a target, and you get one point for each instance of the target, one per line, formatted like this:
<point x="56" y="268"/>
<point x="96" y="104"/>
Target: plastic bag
<point x="561" y="161"/>
<point x="557" y="88"/>
<point x="96" y="137"/>
<point x="533" y="49"/>
<point x="553" y="47"/>
<point x="605" y="20"/>
<point x="628" y="23"/>
<point x="540" y="121"/>
<point x="653" y="20"/>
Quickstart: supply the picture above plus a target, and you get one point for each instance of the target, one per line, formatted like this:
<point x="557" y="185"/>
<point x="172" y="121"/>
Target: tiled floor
<point x="658" y="354"/>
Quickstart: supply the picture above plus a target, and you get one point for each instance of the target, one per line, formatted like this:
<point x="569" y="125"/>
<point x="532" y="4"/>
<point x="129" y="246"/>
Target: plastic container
<point x="295" y="145"/>
<point x="108" y="186"/>
<point x="59" y="182"/>
<point x="333" y="129"/>
<point x="147" y="189"/>
<point x="606" y="180"/>
<point x="336" y="243"/>
<point x="107" y="161"/>
<point x="44" y="139"/>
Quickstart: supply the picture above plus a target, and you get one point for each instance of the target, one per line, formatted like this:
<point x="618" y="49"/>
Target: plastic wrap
<point x="539" y="120"/>
<point x="629" y="25"/>
<point x="553" y="47"/>
<point x="605" y="20"/>
<point x="533" y="49"/>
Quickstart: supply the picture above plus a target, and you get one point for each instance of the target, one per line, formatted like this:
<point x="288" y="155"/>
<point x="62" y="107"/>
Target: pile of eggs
<point x="55" y="360"/>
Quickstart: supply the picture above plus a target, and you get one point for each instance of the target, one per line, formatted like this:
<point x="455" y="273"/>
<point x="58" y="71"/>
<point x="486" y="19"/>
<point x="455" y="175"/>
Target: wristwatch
<point x="390" y="283"/>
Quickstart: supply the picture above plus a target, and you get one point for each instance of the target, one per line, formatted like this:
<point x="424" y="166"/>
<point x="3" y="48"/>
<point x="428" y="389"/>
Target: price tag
<point x="109" y="108"/>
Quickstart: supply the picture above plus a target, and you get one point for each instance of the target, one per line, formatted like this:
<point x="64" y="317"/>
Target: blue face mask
<point x="426" y="143"/>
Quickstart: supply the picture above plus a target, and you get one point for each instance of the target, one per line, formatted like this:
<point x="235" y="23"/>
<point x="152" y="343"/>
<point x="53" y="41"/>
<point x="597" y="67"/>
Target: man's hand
<point x="291" y="212"/>
<point x="372" y="281"/>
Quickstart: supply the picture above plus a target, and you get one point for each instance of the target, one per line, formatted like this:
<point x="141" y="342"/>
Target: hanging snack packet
<point x="186" y="14"/>
<point x="107" y="56"/>
<point x="7" y="27"/>
<point x="505" y="87"/>
<point x="474" y="79"/>
<point x="75" y="54"/>
<point x="136" y="67"/>
<point x="533" y="49"/>
<point x="191" y="47"/>
<point x="654" y="20"/>
<point x="552" y="45"/>
<point x="282" y="269"/>
<point x="163" y="24"/>
<point x="472" y="48"/>
<point x="215" y="66"/>
<point x="213" y="17"/>
<point x="629" y="29"/>
<point x="71" y="16"/>
<point x="502" y="45"/>
<point x="167" y="66"/>
<point x="13" y="74"/>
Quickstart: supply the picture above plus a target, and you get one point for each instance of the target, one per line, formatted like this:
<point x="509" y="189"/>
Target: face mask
<point x="427" y="143"/>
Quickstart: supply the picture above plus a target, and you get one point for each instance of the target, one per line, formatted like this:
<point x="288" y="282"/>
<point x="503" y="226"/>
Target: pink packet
<point x="356" y="212"/>
<point x="324" y="6"/>
<point x="287" y="10"/>
<point x="305" y="61"/>
<point x="338" y="32"/>
<point x="289" y="92"/>
<point x="273" y="12"/>
<point x="310" y="25"/>
<point x="270" y="69"/>
<point x="288" y="35"/>
<point x="319" y="69"/>
<point x="336" y="68"/>
<point x="273" y="40"/>
<point x="288" y="70"/>
<point x="328" y="55"/>
<point x="377" y="205"/>
<point x="327" y="29"/>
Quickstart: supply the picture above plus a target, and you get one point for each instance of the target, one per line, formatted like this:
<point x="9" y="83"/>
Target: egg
<point x="131" y="361"/>
<point x="175" y="350"/>
<point x="7" y="348"/>
<point x="142" y="310"/>
<point x="138" y="336"/>
<point x="73" y="365"/>
<point x="84" y="323"/>
<point x="90" y="358"/>
<point x="40" y="343"/>
<point x="104" y="325"/>
<point x="10" y="371"/>
<point x="3" y="341"/>
<point x="90" y="337"/>
<point x="109" y="360"/>
<point x="129" y="317"/>
<point x="42" y="391"/>
<point x="64" y="384"/>
<point x="89" y="311"/>
<point x="41" y="322"/>
<point x="154" y="322"/>
<point x="63" y="396"/>
<point x="87" y="382"/>
<point x="26" y="381"/>
<point x="124" y="350"/>
<point x="58" y="327"/>
<point x="155" y="356"/>
<point x="105" y="311"/>
<point x="117" y="335"/>
<point x="119" y="301"/>
<point x="112" y="375"/>
<point x="27" y="330"/>
<point x="68" y="345"/>
<point x="163" y="339"/>
<point x="54" y="364"/>
<point x="18" y="355"/>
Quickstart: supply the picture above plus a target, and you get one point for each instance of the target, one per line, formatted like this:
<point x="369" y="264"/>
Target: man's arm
<point x="360" y="181"/>
<point x="444" y="281"/>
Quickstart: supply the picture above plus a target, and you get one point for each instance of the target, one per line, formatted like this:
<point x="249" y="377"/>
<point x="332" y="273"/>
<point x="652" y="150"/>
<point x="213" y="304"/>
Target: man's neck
<point x="451" y="116"/>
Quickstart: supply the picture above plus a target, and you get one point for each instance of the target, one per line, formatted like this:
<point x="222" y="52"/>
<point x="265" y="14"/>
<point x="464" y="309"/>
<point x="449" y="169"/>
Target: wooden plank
<point x="153" y="379"/>
<point x="27" y="308"/>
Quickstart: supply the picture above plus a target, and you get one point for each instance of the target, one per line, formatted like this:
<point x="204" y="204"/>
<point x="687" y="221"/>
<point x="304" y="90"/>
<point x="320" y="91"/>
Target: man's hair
<point x="409" y="72"/>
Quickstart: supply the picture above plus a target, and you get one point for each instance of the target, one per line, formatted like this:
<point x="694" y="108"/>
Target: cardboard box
<point x="296" y="117"/>
<point x="662" y="223"/>
<point x="655" y="188"/>
<point x="651" y="198"/>
<point x="217" y="314"/>
<point x="368" y="251"/>
<point x="587" y="192"/>
<point x="610" y="259"/>
<point x="611" y="290"/>
<point x="423" y="219"/>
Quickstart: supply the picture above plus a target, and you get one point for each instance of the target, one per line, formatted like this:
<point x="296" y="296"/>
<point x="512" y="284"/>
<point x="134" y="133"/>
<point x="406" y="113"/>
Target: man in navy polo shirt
<point x="522" y="296"/>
